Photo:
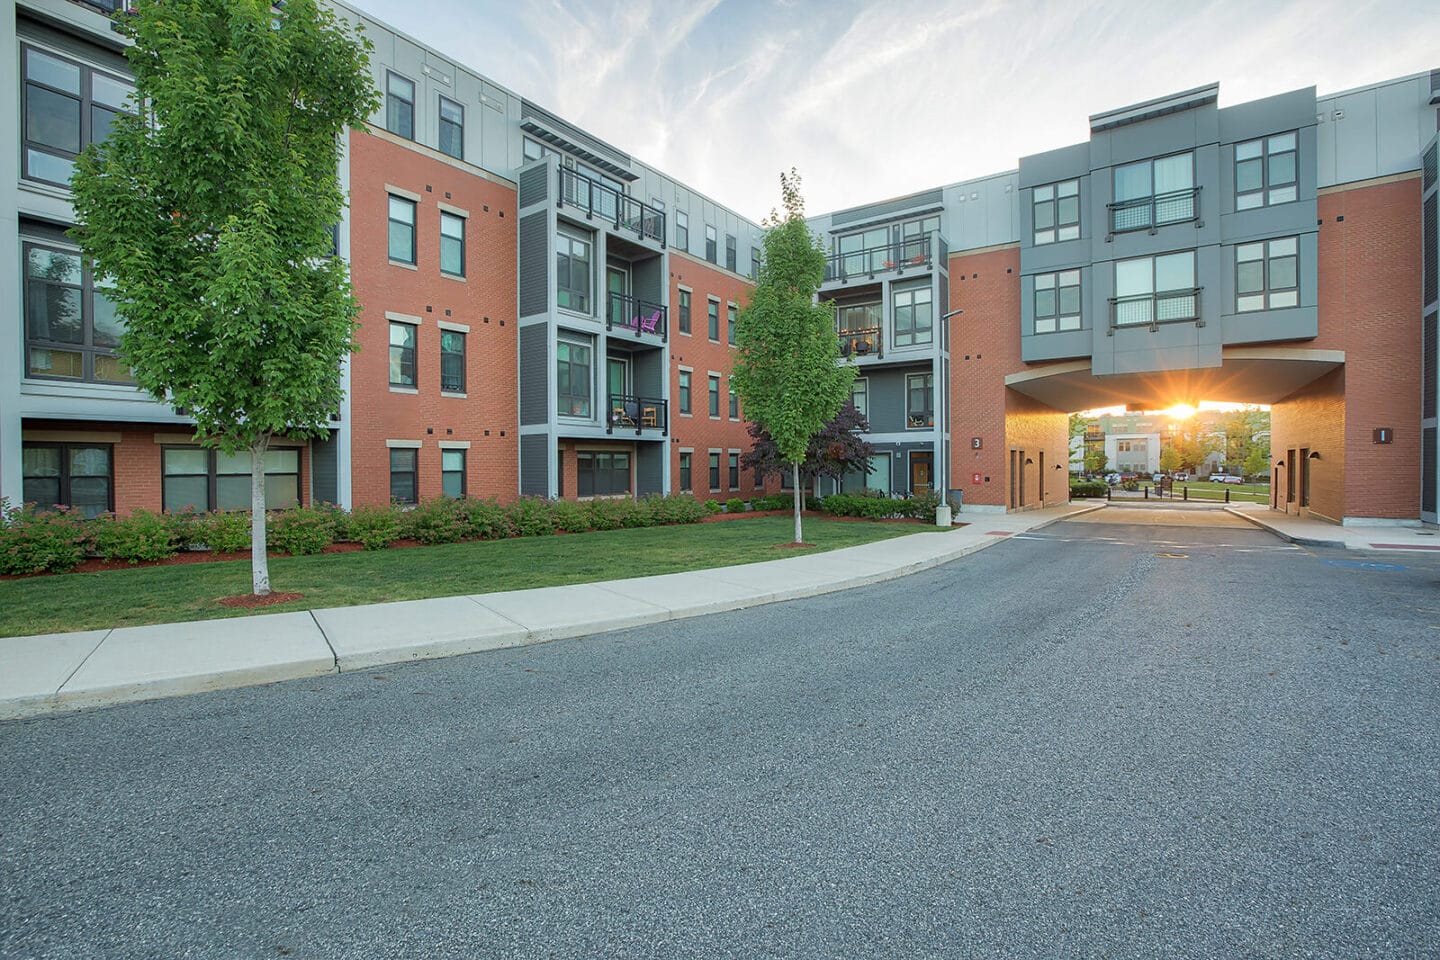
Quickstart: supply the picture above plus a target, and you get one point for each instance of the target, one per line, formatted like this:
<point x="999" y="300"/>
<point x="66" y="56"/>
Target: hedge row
<point x="1089" y="488"/>
<point x="59" y="540"/>
<point x="874" y="505"/>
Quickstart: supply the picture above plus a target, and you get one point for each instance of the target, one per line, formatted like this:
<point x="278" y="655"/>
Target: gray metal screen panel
<point x="534" y="375"/>
<point x="535" y="465"/>
<point x="856" y="214"/>
<point x="649" y="468"/>
<point x="1427" y="470"/>
<point x="534" y="185"/>
<point x="534" y="265"/>
<point x="324" y="471"/>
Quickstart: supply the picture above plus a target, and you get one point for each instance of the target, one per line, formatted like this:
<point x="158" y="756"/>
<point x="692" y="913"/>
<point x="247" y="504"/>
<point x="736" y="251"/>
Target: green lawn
<point x="118" y="598"/>
<point x="1239" y="492"/>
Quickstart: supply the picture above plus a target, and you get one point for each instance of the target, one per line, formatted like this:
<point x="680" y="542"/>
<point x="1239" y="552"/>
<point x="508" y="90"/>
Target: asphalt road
<point x="1101" y="740"/>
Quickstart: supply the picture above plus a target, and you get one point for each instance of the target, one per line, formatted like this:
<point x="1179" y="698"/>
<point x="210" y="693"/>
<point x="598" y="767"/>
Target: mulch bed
<point x="249" y="601"/>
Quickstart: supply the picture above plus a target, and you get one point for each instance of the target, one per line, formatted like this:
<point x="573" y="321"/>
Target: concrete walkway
<point x="68" y="671"/>
<point x="1319" y="533"/>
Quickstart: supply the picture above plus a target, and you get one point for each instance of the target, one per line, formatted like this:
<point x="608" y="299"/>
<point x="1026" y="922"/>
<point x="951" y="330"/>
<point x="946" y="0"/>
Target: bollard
<point x="1227" y="494"/>
<point x="1147" y="493"/>
<point x="1185" y="494"/>
<point x="1108" y="492"/>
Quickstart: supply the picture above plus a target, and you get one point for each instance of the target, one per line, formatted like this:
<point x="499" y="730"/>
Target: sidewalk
<point x="1318" y="533"/>
<point x="69" y="671"/>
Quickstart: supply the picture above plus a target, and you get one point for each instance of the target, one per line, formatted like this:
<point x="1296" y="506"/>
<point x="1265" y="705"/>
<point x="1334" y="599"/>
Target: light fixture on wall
<point x="1057" y="466"/>
<point x="1279" y="463"/>
<point x="1028" y="461"/>
<point x="1314" y="454"/>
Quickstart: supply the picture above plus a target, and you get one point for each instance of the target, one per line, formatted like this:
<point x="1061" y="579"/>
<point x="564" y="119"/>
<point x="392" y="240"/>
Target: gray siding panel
<point x="534" y="264"/>
<point x="534" y="184"/>
<point x="534" y="374"/>
<point x="928" y="198"/>
<point x="535" y="465"/>
<point x="650" y="468"/>
<point x="324" y="471"/>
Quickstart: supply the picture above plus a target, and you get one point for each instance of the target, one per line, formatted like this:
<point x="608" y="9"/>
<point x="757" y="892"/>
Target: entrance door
<point x="617" y="285"/>
<point x="921" y="465"/>
<point x="1014" y="479"/>
<point x="1290" y="469"/>
<point x="1020" y="468"/>
<point x="1304" y="476"/>
<point x="617" y="377"/>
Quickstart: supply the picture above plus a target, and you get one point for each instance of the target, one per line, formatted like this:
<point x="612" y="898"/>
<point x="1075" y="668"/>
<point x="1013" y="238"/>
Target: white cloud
<point x="875" y="99"/>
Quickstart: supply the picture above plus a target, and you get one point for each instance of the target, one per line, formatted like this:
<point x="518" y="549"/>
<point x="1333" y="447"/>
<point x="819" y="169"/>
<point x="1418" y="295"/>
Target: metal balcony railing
<point x="641" y="317"/>
<point x="1152" y="309"/>
<point x="862" y="342"/>
<point x="629" y="412"/>
<point x="909" y="254"/>
<point x="1147" y="213"/>
<point x="600" y="200"/>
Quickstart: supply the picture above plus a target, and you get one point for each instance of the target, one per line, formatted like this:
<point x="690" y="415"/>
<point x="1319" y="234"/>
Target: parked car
<point x="1225" y="478"/>
<point x="1181" y="476"/>
<point x="1157" y="478"/>
<point x="1112" y="478"/>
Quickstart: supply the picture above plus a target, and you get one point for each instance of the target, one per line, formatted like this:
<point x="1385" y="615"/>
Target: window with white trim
<point x="1057" y="301"/>
<point x="399" y="105"/>
<point x="1267" y="275"/>
<point x="1056" y="208"/>
<point x="1265" y="171"/>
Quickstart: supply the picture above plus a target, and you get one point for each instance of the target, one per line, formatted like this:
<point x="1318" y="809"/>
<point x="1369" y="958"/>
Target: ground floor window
<point x="685" y="459"/>
<point x="78" y="476"/>
<point x="734" y="471"/>
<point x="714" y="471"/>
<point x="875" y="477"/>
<point x="452" y="473"/>
<point x="194" y="478"/>
<point x="600" y="474"/>
<point x="405" y="475"/>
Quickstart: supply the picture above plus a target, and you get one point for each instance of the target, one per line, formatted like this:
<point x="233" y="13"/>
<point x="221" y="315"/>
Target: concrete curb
<point x="1287" y="537"/>
<point x="125" y="665"/>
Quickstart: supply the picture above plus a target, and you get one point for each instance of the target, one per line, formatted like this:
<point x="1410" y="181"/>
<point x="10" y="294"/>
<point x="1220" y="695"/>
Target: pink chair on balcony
<point x="650" y="323"/>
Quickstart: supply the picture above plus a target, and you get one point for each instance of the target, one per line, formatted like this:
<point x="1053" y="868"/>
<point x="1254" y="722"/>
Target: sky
<point x="871" y="99"/>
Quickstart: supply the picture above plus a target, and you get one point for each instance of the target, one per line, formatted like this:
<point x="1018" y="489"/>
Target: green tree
<point x="1095" y="459"/>
<point x="1170" y="460"/>
<point x="211" y="209"/>
<point x="787" y="371"/>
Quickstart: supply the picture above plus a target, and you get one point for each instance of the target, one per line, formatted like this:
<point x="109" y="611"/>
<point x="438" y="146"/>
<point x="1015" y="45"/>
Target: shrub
<point x="532" y="517"/>
<point x="674" y="508"/>
<point x="632" y="513"/>
<point x="224" y="532"/>
<point x="603" y="514"/>
<point x="485" y="519"/>
<point x="375" y="527"/>
<point x="569" y="516"/>
<point x="440" y="520"/>
<point x="1089" y="488"/>
<point x="712" y="506"/>
<point x="300" y="531"/>
<point x="188" y="527"/>
<point x="922" y="506"/>
<point x="141" y="536"/>
<point x="861" y="505"/>
<point x="773" y="501"/>
<point x="734" y="505"/>
<point x="33" y="542"/>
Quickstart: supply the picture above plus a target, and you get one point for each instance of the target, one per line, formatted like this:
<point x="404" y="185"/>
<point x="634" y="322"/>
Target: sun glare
<point x="1181" y="411"/>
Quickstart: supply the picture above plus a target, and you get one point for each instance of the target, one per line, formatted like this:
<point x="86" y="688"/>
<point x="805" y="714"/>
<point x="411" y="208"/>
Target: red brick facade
<point x="484" y="301"/>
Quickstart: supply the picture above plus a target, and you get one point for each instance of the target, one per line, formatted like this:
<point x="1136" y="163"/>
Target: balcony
<point x="1148" y="213"/>
<point x="862" y="342"/>
<point x="913" y="253"/>
<point x="629" y="412"/>
<point x="641" y="317"/>
<point x="1152" y="309"/>
<point x="599" y="200"/>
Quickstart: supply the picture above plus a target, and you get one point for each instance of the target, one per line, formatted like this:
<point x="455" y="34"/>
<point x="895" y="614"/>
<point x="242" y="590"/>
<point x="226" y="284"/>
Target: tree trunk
<point x="259" y="563"/>
<point x="795" y="475"/>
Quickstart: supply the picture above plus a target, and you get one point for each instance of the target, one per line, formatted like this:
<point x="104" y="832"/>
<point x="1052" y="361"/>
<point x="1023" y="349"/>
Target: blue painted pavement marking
<point x="1365" y="565"/>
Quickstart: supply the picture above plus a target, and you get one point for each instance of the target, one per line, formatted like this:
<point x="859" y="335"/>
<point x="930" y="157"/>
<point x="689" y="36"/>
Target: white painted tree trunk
<point x="259" y="563"/>
<point x="799" y="499"/>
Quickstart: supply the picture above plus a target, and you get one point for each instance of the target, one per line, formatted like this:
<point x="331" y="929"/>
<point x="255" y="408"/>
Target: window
<point x="573" y="378"/>
<point x="67" y="106"/>
<point x="713" y="327"/>
<point x="1057" y="301"/>
<point x="864" y="252"/>
<point x="1057" y="212"/>
<point x="682" y="230"/>
<point x="730" y="262"/>
<point x="685" y="311"/>
<point x="919" y="401"/>
<point x="452" y="361"/>
<point x="572" y="273"/>
<point x="402" y="230"/>
<point x="860" y="317"/>
<point x="875" y="477"/>
<point x="602" y="474"/>
<point x="915" y="239"/>
<point x="685" y="479"/>
<point x="715" y="396"/>
<point x="860" y="395"/>
<point x="399" y="105"/>
<point x="1265" y="171"/>
<point x="1265" y="275"/>
<point x="733" y="398"/>
<point x="71" y="327"/>
<point x="452" y="128"/>
<point x="535" y="150"/>
<point x="711" y="245"/>
<point x="730" y="311"/>
<point x="734" y="470"/>
<point x="200" y="479"/>
<point x="912" y="315"/>
<point x="685" y="391"/>
<point x="1152" y="193"/>
<point x="405" y="475"/>
<point x="452" y="244"/>
<point x="74" y="475"/>
<point x="1150" y="290"/>
<point x="452" y="473"/>
<point x="754" y="263"/>
<point x="714" y="470"/>
<point x="402" y="355"/>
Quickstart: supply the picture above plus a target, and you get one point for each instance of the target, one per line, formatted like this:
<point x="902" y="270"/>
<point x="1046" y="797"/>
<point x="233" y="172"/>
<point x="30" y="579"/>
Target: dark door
<point x="1304" y="476"/>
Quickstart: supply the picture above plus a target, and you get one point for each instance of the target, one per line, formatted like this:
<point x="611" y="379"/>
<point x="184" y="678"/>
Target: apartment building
<point x="544" y="314"/>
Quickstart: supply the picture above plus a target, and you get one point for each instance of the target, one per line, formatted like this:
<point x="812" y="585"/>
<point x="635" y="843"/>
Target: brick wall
<point x="701" y="355"/>
<point x="984" y="348"/>
<point x="487" y="416"/>
<point x="1369" y="293"/>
